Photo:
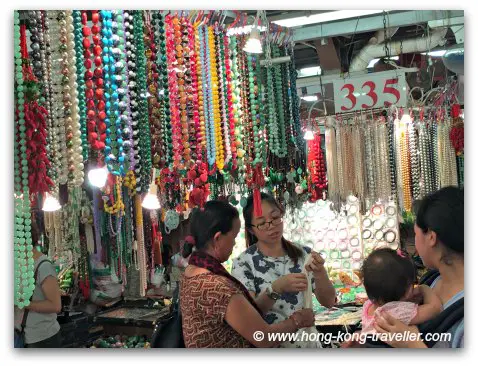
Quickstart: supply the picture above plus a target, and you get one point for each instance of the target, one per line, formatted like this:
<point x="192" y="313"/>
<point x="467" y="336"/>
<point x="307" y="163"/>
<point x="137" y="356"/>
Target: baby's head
<point x="388" y="276"/>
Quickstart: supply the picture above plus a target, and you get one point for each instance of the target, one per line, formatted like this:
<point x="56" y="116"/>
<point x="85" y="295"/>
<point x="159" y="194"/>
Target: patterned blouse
<point x="257" y="271"/>
<point x="204" y="301"/>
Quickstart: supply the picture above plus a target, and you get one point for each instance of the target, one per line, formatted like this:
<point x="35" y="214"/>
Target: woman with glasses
<point x="272" y="267"/>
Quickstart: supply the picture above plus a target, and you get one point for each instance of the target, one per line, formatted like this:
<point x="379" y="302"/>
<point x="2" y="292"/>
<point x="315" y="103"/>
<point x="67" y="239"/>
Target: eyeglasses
<point x="267" y="225"/>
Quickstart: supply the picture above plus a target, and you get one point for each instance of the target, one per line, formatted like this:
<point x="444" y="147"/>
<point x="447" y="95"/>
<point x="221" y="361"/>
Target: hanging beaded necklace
<point x="133" y="96"/>
<point x="392" y="159"/>
<point x="124" y="128"/>
<point x="405" y="167"/>
<point x="216" y="115"/>
<point x="332" y="165"/>
<point x="256" y="120"/>
<point x="52" y="136"/>
<point x="198" y="71"/>
<point x="207" y="96"/>
<point x="172" y="26"/>
<point x="73" y="126"/>
<point x="80" y="71"/>
<point x="24" y="283"/>
<point x="161" y="62"/>
<point x="223" y="92"/>
<point x="358" y="153"/>
<point x="155" y="111"/>
<point x="414" y="162"/>
<point x="144" y="138"/>
<point x="231" y="139"/>
<point x="236" y="110"/>
<point x="141" y="255"/>
<point x="58" y="81"/>
<point x="34" y="116"/>
<point x="279" y="99"/>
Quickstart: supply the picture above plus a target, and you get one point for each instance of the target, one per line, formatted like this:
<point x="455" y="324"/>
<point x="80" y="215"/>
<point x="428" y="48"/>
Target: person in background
<point x="271" y="268"/>
<point x="388" y="278"/>
<point x="439" y="240"/>
<point x="42" y="329"/>
<point x="217" y="311"/>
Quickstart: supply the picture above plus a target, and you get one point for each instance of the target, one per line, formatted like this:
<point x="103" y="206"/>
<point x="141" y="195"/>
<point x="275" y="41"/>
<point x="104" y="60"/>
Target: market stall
<point x="125" y="121"/>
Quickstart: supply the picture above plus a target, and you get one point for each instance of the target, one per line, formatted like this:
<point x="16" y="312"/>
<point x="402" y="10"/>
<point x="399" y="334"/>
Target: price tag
<point x="375" y="90"/>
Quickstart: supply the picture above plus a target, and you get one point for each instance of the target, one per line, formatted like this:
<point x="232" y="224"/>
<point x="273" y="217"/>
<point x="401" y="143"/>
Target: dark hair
<point x="292" y="251"/>
<point x="216" y="216"/>
<point x="444" y="213"/>
<point x="387" y="276"/>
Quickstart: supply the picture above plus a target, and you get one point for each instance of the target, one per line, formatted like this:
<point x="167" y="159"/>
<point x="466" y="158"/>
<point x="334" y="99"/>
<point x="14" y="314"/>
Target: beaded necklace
<point x="201" y="102"/>
<point x="414" y="162"/>
<point x="340" y="167"/>
<point x="52" y="138"/>
<point x="144" y="138"/>
<point x="58" y="81"/>
<point x="124" y="127"/>
<point x="256" y="120"/>
<point x="161" y="62"/>
<point x="279" y="98"/>
<point x="133" y="95"/>
<point x="223" y="95"/>
<point x="199" y="127"/>
<point x="34" y="116"/>
<point x="358" y="153"/>
<point x="94" y="84"/>
<point x="236" y="110"/>
<point x="231" y="139"/>
<point x="332" y="168"/>
<point x="214" y="84"/>
<point x="405" y="167"/>
<point x="173" y="32"/>
<point x="425" y="160"/>
<point x="80" y="71"/>
<point x="74" y="142"/>
<point x="141" y="255"/>
<point x="317" y="178"/>
<point x="392" y="159"/>
<point x="369" y="159"/>
<point x="207" y="96"/>
<point x="23" y="264"/>
<point x="155" y="112"/>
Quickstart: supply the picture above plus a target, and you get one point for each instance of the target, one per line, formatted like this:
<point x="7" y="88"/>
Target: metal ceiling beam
<point x="372" y="23"/>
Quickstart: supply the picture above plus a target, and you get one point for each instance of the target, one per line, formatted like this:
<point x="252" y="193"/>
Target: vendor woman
<point x="272" y="267"/>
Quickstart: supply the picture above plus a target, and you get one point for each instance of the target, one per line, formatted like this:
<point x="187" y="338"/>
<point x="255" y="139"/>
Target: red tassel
<point x="257" y="203"/>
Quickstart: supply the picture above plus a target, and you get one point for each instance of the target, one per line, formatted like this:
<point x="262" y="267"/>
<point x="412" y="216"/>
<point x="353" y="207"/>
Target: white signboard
<point x="375" y="90"/>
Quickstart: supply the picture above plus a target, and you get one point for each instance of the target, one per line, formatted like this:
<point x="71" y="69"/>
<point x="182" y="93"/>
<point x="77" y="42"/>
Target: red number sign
<point x="375" y="90"/>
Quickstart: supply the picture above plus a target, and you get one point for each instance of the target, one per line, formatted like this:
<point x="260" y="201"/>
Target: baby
<point x="388" y="278"/>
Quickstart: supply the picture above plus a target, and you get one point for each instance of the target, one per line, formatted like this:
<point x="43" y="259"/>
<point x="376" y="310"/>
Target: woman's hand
<point x="387" y="324"/>
<point x="316" y="265"/>
<point x="304" y="318"/>
<point x="293" y="282"/>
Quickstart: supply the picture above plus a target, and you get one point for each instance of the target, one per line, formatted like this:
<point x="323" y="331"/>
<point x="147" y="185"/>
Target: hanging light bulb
<point x="309" y="135"/>
<point x="50" y="203"/>
<point x="98" y="176"/>
<point x="406" y="117"/>
<point x="151" y="201"/>
<point x="253" y="44"/>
